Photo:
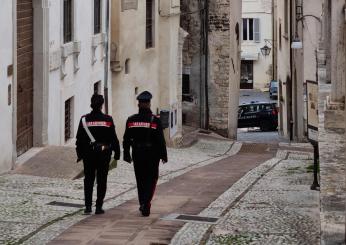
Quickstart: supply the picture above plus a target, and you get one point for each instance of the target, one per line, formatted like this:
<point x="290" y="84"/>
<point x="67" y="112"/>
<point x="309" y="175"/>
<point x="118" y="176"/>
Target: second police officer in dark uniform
<point x="144" y="134"/>
<point x="96" y="155"/>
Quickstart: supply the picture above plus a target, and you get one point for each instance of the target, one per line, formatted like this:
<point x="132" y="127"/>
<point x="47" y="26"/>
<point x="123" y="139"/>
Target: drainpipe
<point x="273" y="42"/>
<point x="291" y="73"/>
<point x="206" y="56"/>
<point x="106" y="65"/>
<point x="14" y="84"/>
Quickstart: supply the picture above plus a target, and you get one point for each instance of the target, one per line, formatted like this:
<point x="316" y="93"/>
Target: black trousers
<point x="147" y="174"/>
<point x="96" y="165"/>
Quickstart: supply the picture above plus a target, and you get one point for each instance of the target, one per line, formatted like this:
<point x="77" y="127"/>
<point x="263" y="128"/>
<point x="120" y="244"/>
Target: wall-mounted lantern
<point x="265" y="50"/>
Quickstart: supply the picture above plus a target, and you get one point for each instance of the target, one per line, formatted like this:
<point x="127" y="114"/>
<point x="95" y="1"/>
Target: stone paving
<point x="272" y="204"/>
<point x="255" y="135"/>
<point x="25" y="217"/>
<point x="188" y="193"/>
<point x="332" y="171"/>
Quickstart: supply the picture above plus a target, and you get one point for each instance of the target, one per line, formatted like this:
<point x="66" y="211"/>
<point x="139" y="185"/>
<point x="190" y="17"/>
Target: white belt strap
<point x="87" y="130"/>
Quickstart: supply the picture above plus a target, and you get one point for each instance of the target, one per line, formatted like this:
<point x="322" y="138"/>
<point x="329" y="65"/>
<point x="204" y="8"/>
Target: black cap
<point x="97" y="101"/>
<point x="144" y="96"/>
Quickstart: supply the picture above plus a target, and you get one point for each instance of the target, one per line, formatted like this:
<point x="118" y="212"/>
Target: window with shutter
<point x="257" y="32"/>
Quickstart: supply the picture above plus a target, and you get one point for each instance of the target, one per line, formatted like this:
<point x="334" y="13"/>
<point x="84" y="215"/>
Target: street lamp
<point x="265" y="50"/>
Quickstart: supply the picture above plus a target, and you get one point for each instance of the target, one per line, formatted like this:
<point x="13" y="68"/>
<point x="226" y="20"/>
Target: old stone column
<point x="219" y="63"/>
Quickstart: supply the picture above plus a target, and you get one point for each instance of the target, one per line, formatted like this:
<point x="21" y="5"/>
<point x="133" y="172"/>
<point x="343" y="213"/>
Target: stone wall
<point x="332" y="139"/>
<point x="220" y="51"/>
<point x="219" y="61"/>
<point x="190" y="22"/>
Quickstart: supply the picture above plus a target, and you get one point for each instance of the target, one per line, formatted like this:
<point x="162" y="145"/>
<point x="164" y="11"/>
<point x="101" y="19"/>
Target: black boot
<point x="145" y="209"/>
<point x="99" y="210"/>
<point x="87" y="210"/>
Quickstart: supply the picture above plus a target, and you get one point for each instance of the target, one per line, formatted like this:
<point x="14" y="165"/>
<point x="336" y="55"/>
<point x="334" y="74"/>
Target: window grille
<point x="67" y="21"/>
<point x="149" y="34"/>
<point x="68" y="118"/>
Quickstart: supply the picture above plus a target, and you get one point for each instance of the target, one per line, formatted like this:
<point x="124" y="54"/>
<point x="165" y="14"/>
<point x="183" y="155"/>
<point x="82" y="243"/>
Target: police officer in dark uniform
<point x="144" y="134"/>
<point x="96" y="155"/>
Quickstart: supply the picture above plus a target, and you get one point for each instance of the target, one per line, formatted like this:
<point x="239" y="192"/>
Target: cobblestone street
<point x="267" y="199"/>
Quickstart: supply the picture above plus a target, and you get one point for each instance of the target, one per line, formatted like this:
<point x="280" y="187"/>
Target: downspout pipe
<point x="291" y="72"/>
<point x="273" y="42"/>
<point x="106" y="61"/>
<point x="14" y="84"/>
<point x="206" y="30"/>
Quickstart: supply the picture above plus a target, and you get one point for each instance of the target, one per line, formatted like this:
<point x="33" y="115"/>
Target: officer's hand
<point x="127" y="158"/>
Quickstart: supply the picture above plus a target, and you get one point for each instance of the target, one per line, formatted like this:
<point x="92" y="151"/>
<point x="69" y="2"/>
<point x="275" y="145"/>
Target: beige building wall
<point x="309" y="23"/>
<point x="136" y="68"/>
<point x="262" y="65"/>
<point x="234" y="76"/>
<point x="283" y="44"/>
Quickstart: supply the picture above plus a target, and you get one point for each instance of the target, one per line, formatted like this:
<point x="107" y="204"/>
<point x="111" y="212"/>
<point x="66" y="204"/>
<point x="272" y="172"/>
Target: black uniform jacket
<point x="102" y="128"/>
<point x="145" y="134"/>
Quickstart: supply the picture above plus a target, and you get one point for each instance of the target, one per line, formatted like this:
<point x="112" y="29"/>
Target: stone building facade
<point x="212" y="98"/>
<point x="319" y="26"/>
<point x="256" y="33"/>
<point x="192" y="21"/>
<point x="332" y="138"/>
<point x="54" y="59"/>
<point x="146" y="55"/>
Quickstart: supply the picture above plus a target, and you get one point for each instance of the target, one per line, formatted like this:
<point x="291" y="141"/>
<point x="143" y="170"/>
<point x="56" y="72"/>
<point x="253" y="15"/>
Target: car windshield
<point x="274" y="84"/>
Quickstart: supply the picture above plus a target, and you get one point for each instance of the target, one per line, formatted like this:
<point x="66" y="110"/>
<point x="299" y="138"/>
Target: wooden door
<point x="25" y="76"/>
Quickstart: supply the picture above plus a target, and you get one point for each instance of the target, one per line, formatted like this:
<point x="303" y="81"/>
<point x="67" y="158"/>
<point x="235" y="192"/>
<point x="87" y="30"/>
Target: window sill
<point x="151" y="49"/>
<point x="70" y="48"/>
<point x="98" y="39"/>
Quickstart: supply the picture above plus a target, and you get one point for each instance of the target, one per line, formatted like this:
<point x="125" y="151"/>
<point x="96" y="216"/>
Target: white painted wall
<point x="261" y="9"/>
<point x="77" y="84"/>
<point x="7" y="58"/>
<point x="154" y="69"/>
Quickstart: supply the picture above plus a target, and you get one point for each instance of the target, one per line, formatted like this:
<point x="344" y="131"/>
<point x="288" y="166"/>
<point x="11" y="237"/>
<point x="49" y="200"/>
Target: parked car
<point x="273" y="89"/>
<point x="258" y="114"/>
